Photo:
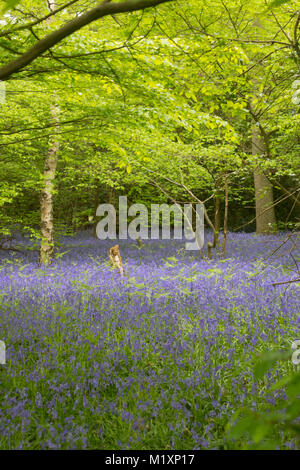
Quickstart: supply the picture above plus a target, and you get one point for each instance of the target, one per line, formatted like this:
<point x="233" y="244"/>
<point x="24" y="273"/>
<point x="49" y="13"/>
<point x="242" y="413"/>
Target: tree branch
<point x="101" y="10"/>
<point x="38" y="21"/>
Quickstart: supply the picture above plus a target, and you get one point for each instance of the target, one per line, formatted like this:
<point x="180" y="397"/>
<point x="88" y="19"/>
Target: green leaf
<point x="267" y="361"/>
<point x="10" y="4"/>
<point x="277" y="3"/>
<point x="241" y="427"/>
<point x="260" y="431"/>
<point x="293" y="410"/>
<point x="293" y="387"/>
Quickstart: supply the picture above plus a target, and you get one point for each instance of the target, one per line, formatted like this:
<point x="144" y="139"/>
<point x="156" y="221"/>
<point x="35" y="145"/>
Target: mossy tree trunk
<point x="264" y="201"/>
<point x="46" y="198"/>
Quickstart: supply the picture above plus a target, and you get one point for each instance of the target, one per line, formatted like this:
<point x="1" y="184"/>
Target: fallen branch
<point x="7" y="241"/>
<point x="285" y="282"/>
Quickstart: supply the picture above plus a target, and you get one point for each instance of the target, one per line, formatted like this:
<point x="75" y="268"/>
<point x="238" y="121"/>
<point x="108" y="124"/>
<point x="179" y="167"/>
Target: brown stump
<point x="115" y="259"/>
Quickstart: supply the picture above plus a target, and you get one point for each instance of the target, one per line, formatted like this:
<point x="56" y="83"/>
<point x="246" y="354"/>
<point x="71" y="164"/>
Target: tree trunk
<point x="264" y="202"/>
<point x="46" y="199"/>
<point x="217" y="221"/>
<point x="225" y="216"/>
<point x="96" y="204"/>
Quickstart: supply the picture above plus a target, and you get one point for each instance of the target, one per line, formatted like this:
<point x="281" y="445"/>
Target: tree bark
<point x="265" y="219"/>
<point x="217" y="221"/>
<point x="96" y="204"/>
<point x="46" y="199"/>
<point x="115" y="259"/>
<point x="225" y="216"/>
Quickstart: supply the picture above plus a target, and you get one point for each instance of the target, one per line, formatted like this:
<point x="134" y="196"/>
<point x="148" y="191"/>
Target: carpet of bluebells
<point x="160" y="359"/>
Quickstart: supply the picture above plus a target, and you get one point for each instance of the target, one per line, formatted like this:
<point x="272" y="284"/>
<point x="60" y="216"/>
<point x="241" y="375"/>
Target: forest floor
<point x="159" y="359"/>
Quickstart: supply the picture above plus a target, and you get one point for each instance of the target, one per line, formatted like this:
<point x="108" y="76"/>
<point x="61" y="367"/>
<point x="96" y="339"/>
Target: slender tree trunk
<point x="96" y="204"/>
<point x="46" y="199"/>
<point x="217" y="221"/>
<point x="111" y="198"/>
<point x="265" y="219"/>
<point x="225" y="216"/>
